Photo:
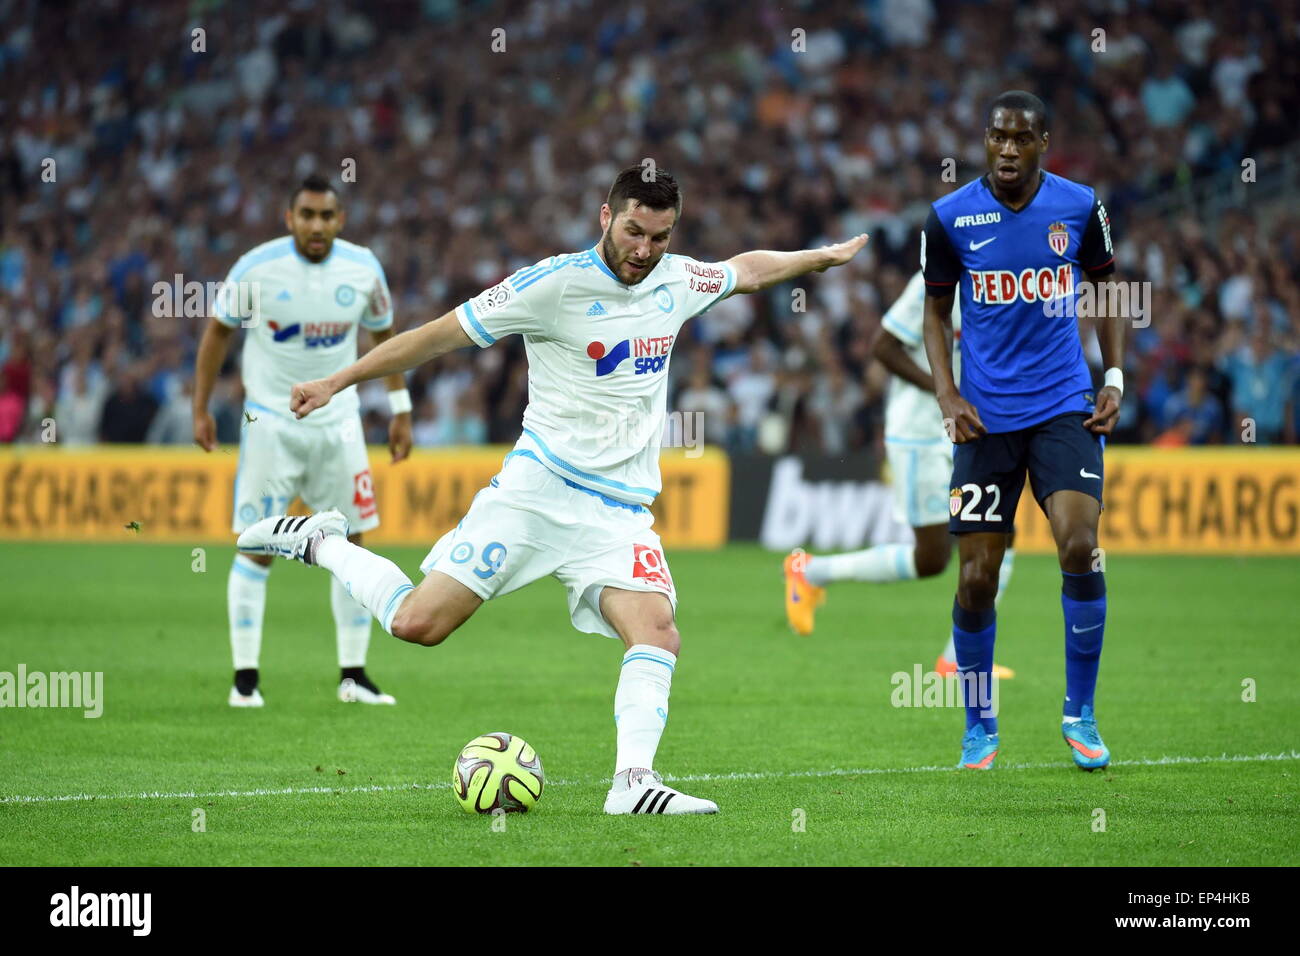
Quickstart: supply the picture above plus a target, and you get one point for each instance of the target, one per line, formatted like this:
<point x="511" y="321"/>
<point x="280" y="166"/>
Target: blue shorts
<point x="988" y="473"/>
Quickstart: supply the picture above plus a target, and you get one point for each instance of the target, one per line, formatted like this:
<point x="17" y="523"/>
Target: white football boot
<point x="354" y="692"/>
<point x="646" y="792"/>
<point x="236" y="699"/>
<point x="294" y="538"/>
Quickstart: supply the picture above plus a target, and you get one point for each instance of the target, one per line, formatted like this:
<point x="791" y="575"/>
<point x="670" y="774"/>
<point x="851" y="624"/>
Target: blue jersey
<point x="1022" y="362"/>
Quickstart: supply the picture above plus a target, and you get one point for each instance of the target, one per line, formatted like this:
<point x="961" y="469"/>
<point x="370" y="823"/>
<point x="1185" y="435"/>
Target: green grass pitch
<point x="780" y="730"/>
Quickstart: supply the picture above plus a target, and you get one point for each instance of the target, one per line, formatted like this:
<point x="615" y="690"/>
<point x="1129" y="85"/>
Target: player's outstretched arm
<point x="762" y="268"/>
<point x="398" y="354"/>
<point x="960" y="418"/>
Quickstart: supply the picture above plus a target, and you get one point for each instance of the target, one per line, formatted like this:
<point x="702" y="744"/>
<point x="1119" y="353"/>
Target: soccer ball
<point x="497" y="772"/>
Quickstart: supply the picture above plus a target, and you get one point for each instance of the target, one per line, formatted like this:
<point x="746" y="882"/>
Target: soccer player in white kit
<point x="919" y="453"/>
<point x="571" y="498"/>
<point x="302" y="297"/>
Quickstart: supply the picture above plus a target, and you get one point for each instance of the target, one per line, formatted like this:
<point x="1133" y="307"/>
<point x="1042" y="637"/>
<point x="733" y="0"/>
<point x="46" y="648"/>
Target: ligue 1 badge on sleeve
<point x="1058" y="237"/>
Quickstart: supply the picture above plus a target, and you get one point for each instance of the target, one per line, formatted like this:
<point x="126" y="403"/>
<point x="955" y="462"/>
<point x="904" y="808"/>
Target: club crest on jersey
<point x="283" y="334"/>
<point x="664" y="298"/>
<point x="954" y="502"/>
<point x="1058" y="237"/>
<point x="345" y="295"/>
<point x="651" y="354"/>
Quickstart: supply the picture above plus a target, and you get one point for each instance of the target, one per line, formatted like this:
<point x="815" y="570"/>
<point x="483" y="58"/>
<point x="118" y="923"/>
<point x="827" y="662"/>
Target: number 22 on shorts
<point x="969" y="513"/>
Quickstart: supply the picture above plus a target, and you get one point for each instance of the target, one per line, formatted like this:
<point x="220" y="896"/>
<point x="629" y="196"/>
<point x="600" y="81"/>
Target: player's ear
<point x="343" y="219"/>
<point x="288" y="219"/>
<point x="1042" y="143"/>
<point x="606" y="216"/>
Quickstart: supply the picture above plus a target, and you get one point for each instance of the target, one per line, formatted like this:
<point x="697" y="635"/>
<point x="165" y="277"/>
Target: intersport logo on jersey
<point x="1005" y="287"/>
<point x="650" y="354"/>
<point x="314" y="334"/>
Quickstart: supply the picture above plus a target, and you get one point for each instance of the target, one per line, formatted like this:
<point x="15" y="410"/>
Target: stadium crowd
<point x="148" y="150"/>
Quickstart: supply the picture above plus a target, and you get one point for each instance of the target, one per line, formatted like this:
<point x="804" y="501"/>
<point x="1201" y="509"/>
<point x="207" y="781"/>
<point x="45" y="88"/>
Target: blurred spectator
<point x="128" y="410"/>
<point x="751" y="389"/>
<point x="174" y="422"/>
<point x="80" y="407"/>
<point x="1196" y="406"/>
<point x="701" y="397"/>
<point x="1260" y="385"/>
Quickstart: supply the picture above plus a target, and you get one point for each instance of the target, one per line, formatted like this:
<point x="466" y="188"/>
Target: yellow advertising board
<point x="1238" y="500"/>
<point x="117" y="493"/>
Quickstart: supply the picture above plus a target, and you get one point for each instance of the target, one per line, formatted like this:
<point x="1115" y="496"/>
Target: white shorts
<point x="921" y="472"/>
<point x="281" y="459"/>
<point x="529" y="523"/>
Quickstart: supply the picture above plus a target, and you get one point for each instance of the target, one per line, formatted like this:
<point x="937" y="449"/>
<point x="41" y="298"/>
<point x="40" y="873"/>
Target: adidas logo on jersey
<point x="284" y="296"/>
<point x="597" y="309"/>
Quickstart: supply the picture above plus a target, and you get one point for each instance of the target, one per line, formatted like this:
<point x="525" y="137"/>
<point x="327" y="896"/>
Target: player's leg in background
<point x="879" y="564"/>
<point x="245" y="608"/>
<point x="269" y="474"/>
<point x="352" y="636"/>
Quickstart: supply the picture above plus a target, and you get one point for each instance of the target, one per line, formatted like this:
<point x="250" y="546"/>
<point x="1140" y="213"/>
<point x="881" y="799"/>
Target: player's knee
<point x="420" y="627"/>
<point x="663" y="633"/>
<point x="978" y="582"/>
<point x="1076" y="548"/>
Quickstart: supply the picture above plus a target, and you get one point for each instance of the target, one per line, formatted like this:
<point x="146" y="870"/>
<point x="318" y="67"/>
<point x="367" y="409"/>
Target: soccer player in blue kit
<point x="1010" y="243"/>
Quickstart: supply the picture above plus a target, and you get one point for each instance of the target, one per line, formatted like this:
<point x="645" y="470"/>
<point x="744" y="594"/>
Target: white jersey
<point x="303" y="320"/>
<point x="911" y="413"/>
<point x="598" y="355"/>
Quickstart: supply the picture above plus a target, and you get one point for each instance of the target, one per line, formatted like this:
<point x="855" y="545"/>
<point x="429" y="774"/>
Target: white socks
<point x="375" y="583"/>
<point x="246" y="605"/>
<point x="351" y="624"/>
<point x="641" y="705"/>
<point x="885" y="562"/>
<point x="1004" y="577"/>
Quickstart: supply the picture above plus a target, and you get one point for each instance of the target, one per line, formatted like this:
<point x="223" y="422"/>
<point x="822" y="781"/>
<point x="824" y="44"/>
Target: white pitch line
<point x="686" y="778"/>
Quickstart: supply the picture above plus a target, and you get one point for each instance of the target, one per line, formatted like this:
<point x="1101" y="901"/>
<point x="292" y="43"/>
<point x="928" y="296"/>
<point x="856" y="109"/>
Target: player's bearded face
<point x="636" y="240"/>
<point x="315" y="220"/>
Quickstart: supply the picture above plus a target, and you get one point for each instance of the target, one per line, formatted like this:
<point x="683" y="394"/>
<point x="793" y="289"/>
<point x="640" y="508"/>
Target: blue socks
<point x="1083" y="599"/>
<point x="973" y="633"/>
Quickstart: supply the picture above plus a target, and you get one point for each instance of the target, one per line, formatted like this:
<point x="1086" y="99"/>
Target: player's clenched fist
<point x="960" y="419"/>
<point x="306" y="397"/>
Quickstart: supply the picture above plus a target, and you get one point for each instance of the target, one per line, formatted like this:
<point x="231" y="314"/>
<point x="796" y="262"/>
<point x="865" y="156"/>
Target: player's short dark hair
<point x="1021" y="101"/>
<point x="660" y="192"/>
<point x="315" y="183"/>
